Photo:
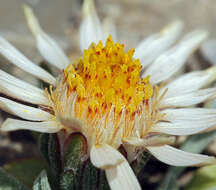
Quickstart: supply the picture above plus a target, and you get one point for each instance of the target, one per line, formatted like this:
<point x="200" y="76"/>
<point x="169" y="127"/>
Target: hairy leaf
<point x="42" y="183"/>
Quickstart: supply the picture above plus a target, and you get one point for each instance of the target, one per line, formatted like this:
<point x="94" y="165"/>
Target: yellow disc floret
<point x="107" y="76"/>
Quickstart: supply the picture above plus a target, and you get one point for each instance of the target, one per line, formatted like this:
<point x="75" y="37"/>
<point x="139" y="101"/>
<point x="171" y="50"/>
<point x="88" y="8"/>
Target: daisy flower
<point x="113" y="97"/>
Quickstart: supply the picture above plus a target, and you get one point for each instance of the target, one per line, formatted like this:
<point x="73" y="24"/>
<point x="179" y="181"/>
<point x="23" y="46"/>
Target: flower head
<point x="114" y="97"/>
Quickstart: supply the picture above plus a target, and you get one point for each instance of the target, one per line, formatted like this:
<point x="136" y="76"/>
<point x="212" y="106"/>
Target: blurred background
<point x="134" y="19"/>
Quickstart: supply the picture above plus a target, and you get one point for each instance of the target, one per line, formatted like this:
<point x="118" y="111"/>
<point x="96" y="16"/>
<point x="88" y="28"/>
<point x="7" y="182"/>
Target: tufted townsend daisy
<point x="114" y="97"/>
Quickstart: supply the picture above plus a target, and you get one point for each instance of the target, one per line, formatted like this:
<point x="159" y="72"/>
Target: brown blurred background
<point x="135" y="19"/>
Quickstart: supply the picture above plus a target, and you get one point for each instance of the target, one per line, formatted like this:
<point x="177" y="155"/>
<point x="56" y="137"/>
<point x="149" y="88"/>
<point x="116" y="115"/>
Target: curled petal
<point x="192" y="81"/>
<point x="171" y="61"/>
<point x="176" y="157"/>
<point x="48" y="48"/>
<point x="25" y="112"/>
<point x="186" y="121"/>
<point x="154" y="45"/>
<point x="184" y="127"/>
<point x="188" y="99"/>
<point x="18" y="59"/>
<point x="188" y="114"/>
<point x="21" y="90"/>
<point x="43" y="127"/>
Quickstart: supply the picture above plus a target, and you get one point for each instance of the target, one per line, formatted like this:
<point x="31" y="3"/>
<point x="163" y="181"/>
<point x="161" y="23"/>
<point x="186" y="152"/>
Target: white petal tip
<point x="6" y="127"/>
<point x="31" y="19"/>
<point x="202" y="34"/>
<point x="195" y="38"/>
<point x="212" y="72"/>
<point x="90" y="28"/>
<point x="48" y="48"/>
<point x="88" y="7"/>
<point x="211" y="160"/>
<point x="26" y="9"/>
<point x="176" y="157"/>
<point x="176" y="26"/>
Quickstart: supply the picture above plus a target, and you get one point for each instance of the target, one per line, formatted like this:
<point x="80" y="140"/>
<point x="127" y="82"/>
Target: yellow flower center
<point x="107" y="76"/>
<point x="103" y="96"/>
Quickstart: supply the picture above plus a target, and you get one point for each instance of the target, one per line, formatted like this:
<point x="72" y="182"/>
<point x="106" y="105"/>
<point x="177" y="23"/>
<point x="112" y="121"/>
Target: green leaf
<point x="196" y="144"/>
<point x="79" y="173"/>
<point x="8" y="182"/>
<point x="90" y="177"/>
<point x="54" y="158"/>
<point x="87" y="177"/>
<point x="25" y="170"/>
<point x="103" y="184"/>
<point x="75" y="154"/>
<point x="140" y="162"/>
<point x="204" y="179"/>
<point x="69" y="181"/>
<point x="54" y="155"/>
<point x="42" y="183"/>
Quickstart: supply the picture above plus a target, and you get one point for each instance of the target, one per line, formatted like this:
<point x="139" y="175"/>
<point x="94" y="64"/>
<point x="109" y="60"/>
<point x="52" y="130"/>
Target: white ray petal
<point x="175" y="157"/>
<point x="184" y="127"/>
<point x="47" y="47"/>
<point x="18" y="59"/>
<point x="172" y="60"/>
<point x="118" y="171"/>
<point x="122" y="177"/>
<point x="90" y="28"/>
<point x="189" y="82"/>
<point x="104" y="156"/>
<point x="43" y="127"/>
<point x="154" y="45"/>
<point x="21" y="90"/>
<point x="23" y="111"/>
<point x="191" y="114"/>
<point x="156" y="140"/>
<point x="188" y="99"/>
<point x="109" y="28"/>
